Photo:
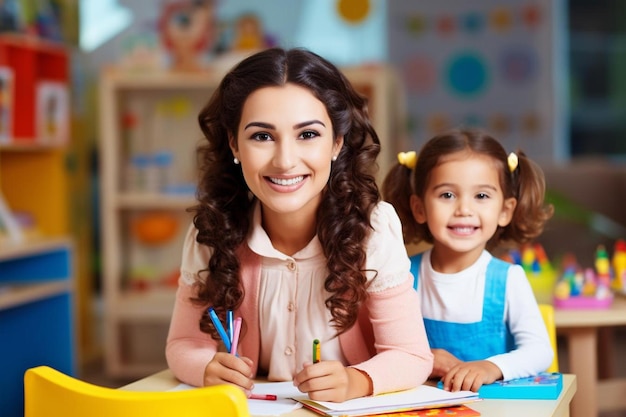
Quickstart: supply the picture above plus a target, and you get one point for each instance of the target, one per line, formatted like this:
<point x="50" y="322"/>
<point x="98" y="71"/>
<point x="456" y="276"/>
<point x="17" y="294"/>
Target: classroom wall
<point x="511" y="56"/>
<point x="498" y="65"/>
<point x="313" y="24"/>
<point x="414" y="38"/>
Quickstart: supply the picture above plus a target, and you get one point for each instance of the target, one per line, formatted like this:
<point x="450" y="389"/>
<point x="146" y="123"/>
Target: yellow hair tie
<point x="513" y="161"/>
<point x="408" y="159"/>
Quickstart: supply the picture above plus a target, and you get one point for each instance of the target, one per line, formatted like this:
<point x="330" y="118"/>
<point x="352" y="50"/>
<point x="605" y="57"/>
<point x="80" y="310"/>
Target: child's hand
<point x="331" y="381"/>
<point x="470" y="376"/>
<point x="225" y="368"/>
<point x="443" y="363"/>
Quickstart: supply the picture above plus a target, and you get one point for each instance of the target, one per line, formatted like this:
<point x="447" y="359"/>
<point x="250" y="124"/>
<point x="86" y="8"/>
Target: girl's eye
<point x="482" y="196"/>
<point x="447" y="195"/>
<point x="261" y="137"/>
<point x="309" y="134"/>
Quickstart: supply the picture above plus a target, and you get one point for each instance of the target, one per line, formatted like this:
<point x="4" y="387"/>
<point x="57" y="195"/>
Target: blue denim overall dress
<point x="480" y="340"/>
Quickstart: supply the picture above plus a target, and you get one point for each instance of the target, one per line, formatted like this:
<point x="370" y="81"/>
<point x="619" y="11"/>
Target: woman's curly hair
<point x="222" y="216"/>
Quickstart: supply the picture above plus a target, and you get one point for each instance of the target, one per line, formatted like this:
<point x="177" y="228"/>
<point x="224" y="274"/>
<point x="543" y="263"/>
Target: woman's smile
<point x="286" y="181"/>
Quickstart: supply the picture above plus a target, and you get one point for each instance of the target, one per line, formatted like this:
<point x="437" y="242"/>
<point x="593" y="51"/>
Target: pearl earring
<point x="236" y="161"/>
<point x="334" y="158"/>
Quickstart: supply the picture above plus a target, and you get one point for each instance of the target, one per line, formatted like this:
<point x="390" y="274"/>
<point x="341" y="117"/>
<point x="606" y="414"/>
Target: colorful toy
<point x="619" y="267"/>
<point x="155" y="229"/>
<point x="584" y="288"/>
<point x="249" y="33"/>
<point x="540" y="272"/>
<point x="574" y="286"/>
<point x="187" y="30"/>
<point x="156" y="241"/>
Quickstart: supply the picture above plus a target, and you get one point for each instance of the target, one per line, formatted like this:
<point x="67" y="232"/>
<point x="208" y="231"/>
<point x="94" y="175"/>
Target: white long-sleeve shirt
<point x="459" y="298"/>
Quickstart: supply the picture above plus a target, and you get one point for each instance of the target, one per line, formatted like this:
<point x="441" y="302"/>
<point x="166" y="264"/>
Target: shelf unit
<point x="36" y="271"/>
<point x="137" y="310"/>
<point x="33" y="176"/>
<point x="381" y="85"/>
<point x="36" y="314"/>
<point x="136" y="316"/>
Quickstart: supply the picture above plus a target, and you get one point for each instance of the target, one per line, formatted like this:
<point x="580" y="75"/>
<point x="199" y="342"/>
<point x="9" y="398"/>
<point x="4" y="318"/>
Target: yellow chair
<point x="547" y="312"/>
<point x="48" y="392"/>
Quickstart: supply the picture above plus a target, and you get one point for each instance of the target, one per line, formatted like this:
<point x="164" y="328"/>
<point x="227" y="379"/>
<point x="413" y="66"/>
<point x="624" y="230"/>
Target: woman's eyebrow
<point x="307" y="123"/>
<point x="296" y="126"/>
<point x="259" y="124"/>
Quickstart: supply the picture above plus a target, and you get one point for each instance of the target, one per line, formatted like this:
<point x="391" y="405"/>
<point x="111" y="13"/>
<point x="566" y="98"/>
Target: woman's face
<point x="285" y="144"/>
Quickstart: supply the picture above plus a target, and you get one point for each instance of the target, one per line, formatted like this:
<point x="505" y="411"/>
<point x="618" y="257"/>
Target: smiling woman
<point x="291" y="236"/>
<point x="286" y="145"/>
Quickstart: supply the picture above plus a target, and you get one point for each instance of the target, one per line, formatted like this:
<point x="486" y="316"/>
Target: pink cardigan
<point x="388" y="342"/>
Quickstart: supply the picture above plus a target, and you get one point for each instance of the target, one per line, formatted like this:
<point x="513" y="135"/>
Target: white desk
<point x="164" y="380"/>
<point x="581" y="328"/>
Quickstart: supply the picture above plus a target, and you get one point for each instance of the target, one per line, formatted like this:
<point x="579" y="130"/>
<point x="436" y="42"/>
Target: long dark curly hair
<point x="222" y="216"/>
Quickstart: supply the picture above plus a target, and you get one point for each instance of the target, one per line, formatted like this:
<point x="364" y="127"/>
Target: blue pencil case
<point x="544" y="386"/>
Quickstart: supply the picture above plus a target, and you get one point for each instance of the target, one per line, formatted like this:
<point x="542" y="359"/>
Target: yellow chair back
<point x="547" y="312"/>
<point x="48" y="392"/>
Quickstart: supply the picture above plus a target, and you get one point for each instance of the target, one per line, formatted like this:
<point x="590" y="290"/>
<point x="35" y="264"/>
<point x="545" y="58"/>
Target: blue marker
<point x="220" y="329"/>
<point x="230" y="325"/>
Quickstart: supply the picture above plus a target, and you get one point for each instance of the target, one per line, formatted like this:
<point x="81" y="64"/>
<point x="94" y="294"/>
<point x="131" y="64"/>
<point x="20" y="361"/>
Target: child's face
<point x="463" y="203"/>
<point x="285" y="145"/>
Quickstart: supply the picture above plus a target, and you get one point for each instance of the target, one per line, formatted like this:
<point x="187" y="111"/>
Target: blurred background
<point x="99" y="99"/>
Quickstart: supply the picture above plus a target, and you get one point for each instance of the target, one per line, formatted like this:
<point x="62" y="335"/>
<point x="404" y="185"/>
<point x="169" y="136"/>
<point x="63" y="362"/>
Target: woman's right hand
<point x="443" y="362"/>
<point x="225" y="368"/>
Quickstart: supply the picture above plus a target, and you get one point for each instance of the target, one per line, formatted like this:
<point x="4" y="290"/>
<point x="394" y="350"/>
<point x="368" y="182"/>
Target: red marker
<point x="268" y="397"/>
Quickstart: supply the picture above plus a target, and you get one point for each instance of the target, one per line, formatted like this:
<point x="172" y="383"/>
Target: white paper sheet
<point x="284" y="391"/>
<point x="422" y="397"/>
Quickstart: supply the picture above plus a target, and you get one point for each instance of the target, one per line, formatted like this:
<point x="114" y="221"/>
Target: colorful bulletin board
<point x="493" y="64"/>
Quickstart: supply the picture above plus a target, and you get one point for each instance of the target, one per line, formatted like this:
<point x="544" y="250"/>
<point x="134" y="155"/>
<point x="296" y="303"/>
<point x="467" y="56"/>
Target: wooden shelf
<point x="10" y="250"/>
<point x="13" y="295"/>
<point x="157" y="201"/>
<point x="29" y="145"/>
<point x="128" y="193"/>
<point x="161" y="80"/>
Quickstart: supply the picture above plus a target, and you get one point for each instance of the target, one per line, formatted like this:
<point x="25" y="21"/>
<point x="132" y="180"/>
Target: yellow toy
<point x="619" y="267"/>
<point x="249" y="34"/>
<point x="539" y="271"/>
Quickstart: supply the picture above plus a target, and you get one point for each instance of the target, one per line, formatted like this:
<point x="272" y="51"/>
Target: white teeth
<point x="464" y="229"/>
<point x="285" y="181"/>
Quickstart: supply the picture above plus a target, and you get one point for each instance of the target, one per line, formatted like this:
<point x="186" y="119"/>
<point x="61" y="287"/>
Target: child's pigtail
<point x="397" y="189"/>
<point x="531" y="212"/>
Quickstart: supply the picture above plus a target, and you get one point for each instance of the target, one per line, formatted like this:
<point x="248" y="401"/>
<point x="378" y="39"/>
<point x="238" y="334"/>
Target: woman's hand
<point x="331" y="381"/>
<point x="470" y="376"/>
<point x="444" y="361"/>
<point x="225" y="368"/>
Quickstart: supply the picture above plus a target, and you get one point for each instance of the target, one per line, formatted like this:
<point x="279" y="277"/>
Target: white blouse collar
<point x="260" y="243"/>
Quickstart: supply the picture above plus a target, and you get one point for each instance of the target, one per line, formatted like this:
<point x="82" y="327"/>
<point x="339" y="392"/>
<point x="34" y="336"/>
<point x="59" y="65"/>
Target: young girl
<point x="290" y="234"/>
<point x="464" y="195"/>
